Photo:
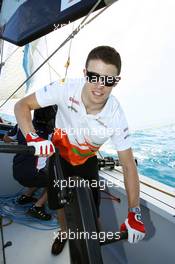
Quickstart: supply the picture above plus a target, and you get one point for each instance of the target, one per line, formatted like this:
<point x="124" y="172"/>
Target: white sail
<point x="12" y="73"/>
<point x="35" y="54"/>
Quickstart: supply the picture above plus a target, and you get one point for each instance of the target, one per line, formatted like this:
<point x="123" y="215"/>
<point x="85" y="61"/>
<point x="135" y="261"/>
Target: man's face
<point x="96" y="88"/>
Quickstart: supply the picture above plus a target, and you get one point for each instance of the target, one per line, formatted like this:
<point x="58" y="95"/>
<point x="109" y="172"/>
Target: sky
<point x="143" y="32"/>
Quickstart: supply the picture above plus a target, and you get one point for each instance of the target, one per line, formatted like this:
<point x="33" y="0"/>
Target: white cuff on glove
<point x="134" y="236"/>
<point x="42" y="147"/>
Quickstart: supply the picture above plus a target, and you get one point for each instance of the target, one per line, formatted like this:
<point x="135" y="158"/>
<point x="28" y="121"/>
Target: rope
<point x="13" y="212"/>
<point x="11" y="54"/>
<point x="99" y="13"/>
<point x="72" y="35"/>
<point x="111" y="197"/>
<point x="68" y="58"/>
<point x="48" y="63"/>
<point x="47" y="56"/>
<point x="2" y="63"/>
<point x="100" y="154"/>
<point x="1" y="51"/>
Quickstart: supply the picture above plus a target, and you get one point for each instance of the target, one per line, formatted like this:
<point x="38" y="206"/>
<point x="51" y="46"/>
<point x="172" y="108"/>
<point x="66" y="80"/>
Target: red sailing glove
<point x="135" y="227"/>
<point x="42" y="146"/>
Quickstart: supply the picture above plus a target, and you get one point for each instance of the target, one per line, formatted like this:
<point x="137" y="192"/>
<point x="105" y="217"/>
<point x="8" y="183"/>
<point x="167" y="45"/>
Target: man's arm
<point x="133" y="223"/>
<point x="23" y="110"/>
<point x="131" y="178"/>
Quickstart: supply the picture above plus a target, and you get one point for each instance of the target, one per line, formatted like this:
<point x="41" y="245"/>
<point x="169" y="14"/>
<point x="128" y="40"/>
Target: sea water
<point x="155" y="153"/>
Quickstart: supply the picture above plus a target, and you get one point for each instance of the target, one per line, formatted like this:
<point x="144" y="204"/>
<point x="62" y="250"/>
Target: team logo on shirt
<point x="73" y="100"/>
<point x="72" y="108"/>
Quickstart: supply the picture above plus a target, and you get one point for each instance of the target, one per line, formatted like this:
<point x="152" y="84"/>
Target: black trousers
<point x="87" y="171"/>
<point x="26" y="173"/>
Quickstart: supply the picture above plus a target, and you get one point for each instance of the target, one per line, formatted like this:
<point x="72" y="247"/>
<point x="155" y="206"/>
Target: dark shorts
<point x="87" y="171"/>
<point x="26" y="173"/>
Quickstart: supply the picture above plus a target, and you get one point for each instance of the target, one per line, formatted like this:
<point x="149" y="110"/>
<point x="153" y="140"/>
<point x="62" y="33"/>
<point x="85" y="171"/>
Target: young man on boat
<point x="87" y="116"/>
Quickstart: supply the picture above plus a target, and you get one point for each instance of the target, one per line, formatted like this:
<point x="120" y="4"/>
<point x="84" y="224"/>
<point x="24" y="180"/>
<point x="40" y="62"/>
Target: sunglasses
<point x="93" y="77"/>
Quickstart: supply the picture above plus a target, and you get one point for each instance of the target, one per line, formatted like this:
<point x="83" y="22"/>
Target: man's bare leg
<point x="42" y="200"/>
<point x="62" y="219"/>
<point x="30" y="191"/>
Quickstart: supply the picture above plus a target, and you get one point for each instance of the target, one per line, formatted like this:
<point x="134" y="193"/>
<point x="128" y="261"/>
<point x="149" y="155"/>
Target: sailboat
<point x="17" y="243"/>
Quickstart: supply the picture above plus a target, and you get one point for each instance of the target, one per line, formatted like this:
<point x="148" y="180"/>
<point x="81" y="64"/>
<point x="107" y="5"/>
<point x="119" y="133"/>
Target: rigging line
<point x="82" y="26"/>
<point x="1" y="46"/>
<point x="48" y="63"/>
<point x="99" y="13"/>
<point x="11" y="55"/>
<point x="117" y="199"/>
<point x="68" y="57"/>
<point x="1" y="50"/>
<point x="13" y="52"/>
<point x="100" y="154"/>
<point x="47" y="56"/>
<point x="72" y="35"/>
<point x="90" y="12"/>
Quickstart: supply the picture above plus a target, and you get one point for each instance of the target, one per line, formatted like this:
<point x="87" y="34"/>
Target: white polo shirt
<point x="79" y="135"/>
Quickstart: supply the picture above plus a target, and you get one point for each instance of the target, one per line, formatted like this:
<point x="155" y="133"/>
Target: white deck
<point x="31" y="246"/>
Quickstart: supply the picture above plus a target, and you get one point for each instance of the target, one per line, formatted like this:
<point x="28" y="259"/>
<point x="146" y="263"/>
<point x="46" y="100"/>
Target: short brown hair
<point x="107" y="54"/>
